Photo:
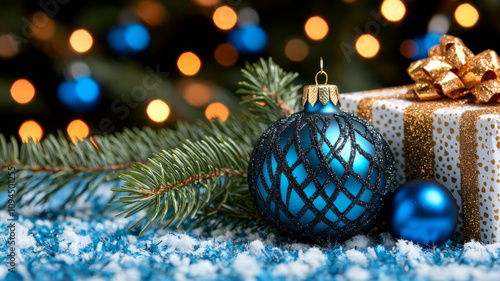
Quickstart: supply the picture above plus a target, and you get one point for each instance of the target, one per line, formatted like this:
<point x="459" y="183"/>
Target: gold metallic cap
<point x="323" y="93"/>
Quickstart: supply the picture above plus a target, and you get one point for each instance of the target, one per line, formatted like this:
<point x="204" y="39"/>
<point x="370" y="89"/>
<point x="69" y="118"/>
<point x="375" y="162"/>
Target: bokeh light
<point x="22" y="91"/>
<point x="132" y="38"/>
<point x="439" y="23"/>
<point x="250" y="39"/>
<point x="217" y="110"/>
<point x="30" y="129"/>
<point x="158" y="110"/>
<point x="248" y="16"/>
<point x="206" y="3"/>
<point x="42" y="26"/>
<point x="197" y="94"/>
<point x="409" y="48"/>
<point x="151" y="12"/>
<point x="78" y="69"/>
<point x="80" y="94"/>
<point x="393" y="10"/>
<point x="189" y="63"/>
<point x="349" y="1"/>
<point x="87" y="89"/>
<point x="81" y="41"/>
<point x="367" y="46"/>
<point x="316" y="28"/>
<point x="296" y="50"/>
<point x="9" y="46"/>
<point x="466" y="15"/>
<point x="77" y="130"/>
<point x="226" y="55"/>
<point x="225" y="17"/>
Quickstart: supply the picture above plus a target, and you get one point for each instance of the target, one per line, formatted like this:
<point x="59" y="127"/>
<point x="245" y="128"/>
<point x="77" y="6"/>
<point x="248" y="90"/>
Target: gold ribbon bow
<point x="452" y="70"/>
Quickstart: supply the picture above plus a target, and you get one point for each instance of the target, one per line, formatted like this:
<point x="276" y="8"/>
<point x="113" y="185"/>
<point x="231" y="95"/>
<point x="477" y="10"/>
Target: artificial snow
<point x="356" y="256"/>
<point x="80" y="244"/>
<point x="357" y="273"/>
<point x="246" y="266"/>
<point x="358" y="241"/>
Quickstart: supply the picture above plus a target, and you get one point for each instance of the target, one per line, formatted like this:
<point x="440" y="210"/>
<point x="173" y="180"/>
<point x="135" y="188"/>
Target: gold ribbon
<point x="453" y="71"/>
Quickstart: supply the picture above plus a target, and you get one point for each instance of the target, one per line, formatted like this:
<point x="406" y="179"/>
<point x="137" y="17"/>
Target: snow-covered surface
<point x="79" y="244"/>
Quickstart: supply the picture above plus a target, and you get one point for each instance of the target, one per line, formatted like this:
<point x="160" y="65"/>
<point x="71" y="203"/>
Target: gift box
<point x="445" y="129"/>
<point x="451" y="141"/>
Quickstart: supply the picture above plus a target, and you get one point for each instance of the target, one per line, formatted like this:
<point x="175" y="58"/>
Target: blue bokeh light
<point x="80" y="94"/>
<point x="87" y="89"/>
<point x="137" y="36"/>
<point x="131" y="38"/>
<point x="425" y="43"/>
<point x="248" y="39"/>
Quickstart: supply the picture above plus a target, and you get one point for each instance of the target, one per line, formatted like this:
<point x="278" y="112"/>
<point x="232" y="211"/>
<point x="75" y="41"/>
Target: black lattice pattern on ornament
<point x="351" y="127"/>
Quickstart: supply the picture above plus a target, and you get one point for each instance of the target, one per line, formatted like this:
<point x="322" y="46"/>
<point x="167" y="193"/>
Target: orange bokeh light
<point x="466" y="15"/>
<point x="296" y="50"/>
<point x="367" y="46"/>
<point x="158" y="110"/>
<point x="30" y="129"/>
<point x="217" y="110"/>
<point x="42" y="26"/>
<point x="189" y="63"/>
<point x="393" y="10"/>
<point x="316" y="28"/>
<point x="81" y="41"/>
<point x="226" y="55"/>
<point x="206" y="3"/>
<point x="151" y="12"/>
<point x="197" y="94"/>
<point x="225" y="17"/>
<point x="78" y="130"/>
<point x="22" y="91"/>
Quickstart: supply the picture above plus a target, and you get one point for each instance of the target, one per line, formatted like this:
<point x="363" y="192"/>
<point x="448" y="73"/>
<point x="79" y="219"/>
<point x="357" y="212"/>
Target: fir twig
<point x="204" y="183"/>
<point x="198" y="175"/>
<point x="269" y="91"/>
<point x="46" y="166"/>
<point x="185" y="179"/>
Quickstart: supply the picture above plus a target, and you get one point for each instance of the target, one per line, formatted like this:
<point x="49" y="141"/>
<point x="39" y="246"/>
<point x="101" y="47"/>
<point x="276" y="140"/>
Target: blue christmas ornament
<point x="321" y="173"/>
<point x="423" y="211"/>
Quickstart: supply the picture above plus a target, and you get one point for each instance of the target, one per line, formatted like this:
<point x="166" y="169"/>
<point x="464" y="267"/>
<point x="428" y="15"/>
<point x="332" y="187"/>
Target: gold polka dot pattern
<point x="488" y="147"/>
<point x="446" y="136"/>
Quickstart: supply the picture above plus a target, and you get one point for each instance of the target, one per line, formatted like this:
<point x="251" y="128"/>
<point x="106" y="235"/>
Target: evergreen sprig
<point x="184" y="181"/>
<point x="270" y="94"/>
<point x="45" y="167"/>
<point x="269" y="91"/>
<point x="194" y="174"/>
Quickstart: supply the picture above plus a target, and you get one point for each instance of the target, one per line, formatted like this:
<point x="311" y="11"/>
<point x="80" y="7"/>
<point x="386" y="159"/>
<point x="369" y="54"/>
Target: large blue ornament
<point x="321" y="173"/>
<point x="423" y="211"/>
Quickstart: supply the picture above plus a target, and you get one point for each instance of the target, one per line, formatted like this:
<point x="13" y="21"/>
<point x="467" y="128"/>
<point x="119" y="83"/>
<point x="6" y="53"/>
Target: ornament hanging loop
<point x="321" y="72"/>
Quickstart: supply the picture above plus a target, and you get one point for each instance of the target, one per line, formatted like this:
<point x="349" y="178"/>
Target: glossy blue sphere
<point x="321" y="173"/>
<point x="423" y="211"/>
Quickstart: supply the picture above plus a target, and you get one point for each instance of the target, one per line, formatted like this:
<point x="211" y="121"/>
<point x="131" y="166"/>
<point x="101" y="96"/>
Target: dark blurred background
<point x="88" y="67"/>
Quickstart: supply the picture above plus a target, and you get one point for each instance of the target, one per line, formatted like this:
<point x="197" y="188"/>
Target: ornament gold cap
<point x="323" y="92"/>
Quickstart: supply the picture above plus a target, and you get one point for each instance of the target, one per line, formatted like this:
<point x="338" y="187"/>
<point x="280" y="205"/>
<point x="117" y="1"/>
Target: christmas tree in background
<point x="99" y="70"/>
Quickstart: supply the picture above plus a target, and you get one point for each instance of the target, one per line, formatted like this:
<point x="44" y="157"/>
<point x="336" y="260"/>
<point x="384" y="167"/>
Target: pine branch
<point x="186" y="179"/>
<point x="199" y="187"/>
<point x="269" y="91"/>
<point x="45" y="167"/>
<point x="199" y="175"/>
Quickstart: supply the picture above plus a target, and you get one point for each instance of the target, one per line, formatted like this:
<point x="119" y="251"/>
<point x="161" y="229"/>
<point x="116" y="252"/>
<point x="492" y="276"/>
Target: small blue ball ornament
<point x="423" y="211"/>
<point x="321" y="174"/>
